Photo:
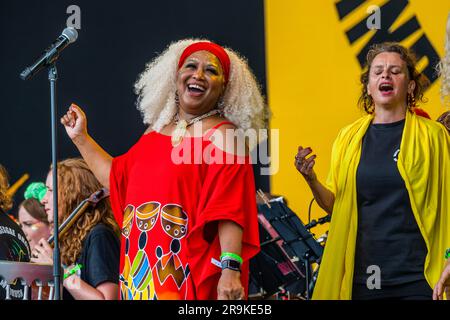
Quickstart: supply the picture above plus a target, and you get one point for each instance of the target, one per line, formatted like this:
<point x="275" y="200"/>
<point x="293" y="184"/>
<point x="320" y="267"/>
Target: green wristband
<point x="72" y="271"/>
<point x="447" y="253"/>
<point x="231" y="255"/>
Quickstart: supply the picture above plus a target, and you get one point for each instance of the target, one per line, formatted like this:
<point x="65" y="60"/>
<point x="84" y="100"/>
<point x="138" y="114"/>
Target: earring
<point x="368" y="107"/>
<point x="221" y="104"/>
<point x="177" y="99"/>
<point x="411" y="101"/>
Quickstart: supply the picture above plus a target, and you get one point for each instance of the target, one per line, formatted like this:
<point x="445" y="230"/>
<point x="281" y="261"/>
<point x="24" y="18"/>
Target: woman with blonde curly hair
<point x="387" y="190"/>
<point x="92" y="241"/>
<point x="444" y="71"/>
<point x="443" y="284"/>
<point x="189" y="227"/>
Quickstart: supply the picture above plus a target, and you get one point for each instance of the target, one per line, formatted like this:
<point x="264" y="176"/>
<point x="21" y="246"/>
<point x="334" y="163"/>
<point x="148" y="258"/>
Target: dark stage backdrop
<point x="97" y="72"/>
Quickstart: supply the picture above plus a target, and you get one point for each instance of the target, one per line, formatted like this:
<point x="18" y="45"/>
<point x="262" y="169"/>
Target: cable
<point x="309" y="210"/>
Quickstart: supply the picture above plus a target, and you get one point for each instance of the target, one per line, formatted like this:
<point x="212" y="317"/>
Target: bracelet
<point x="232" y="256"/>
<point x="72" y="271"/>
<point x="447" y="253"/>
<point x="230" y="264"/>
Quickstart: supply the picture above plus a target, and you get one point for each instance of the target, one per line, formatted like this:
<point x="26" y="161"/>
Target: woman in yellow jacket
<point x="388" y="190"/>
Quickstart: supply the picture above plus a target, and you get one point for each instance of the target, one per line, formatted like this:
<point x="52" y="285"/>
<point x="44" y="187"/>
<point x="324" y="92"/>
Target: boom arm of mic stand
<point x="322" y="220"/>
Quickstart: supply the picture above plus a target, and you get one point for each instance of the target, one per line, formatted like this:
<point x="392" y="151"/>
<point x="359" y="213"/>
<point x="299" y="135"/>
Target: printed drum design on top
<point x="147" y="215"/>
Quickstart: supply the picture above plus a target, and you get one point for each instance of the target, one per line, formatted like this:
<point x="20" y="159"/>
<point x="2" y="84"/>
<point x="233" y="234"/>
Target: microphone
<point x="68" y="36"/>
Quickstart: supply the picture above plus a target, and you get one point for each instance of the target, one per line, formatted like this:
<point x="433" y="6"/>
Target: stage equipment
<point x="288" y="251"/>
<point x="48" y="59"/>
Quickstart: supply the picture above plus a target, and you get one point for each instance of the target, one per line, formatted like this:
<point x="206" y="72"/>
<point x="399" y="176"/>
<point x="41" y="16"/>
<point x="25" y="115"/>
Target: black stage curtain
<point x="115" y="41"/>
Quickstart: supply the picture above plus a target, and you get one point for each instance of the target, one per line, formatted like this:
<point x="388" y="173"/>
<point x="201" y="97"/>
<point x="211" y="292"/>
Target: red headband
<point x="215" y="49"/>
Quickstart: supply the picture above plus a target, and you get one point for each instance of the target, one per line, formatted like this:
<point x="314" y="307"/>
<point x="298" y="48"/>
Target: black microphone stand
<point x="322" y="220"/>
<point x="52" y="77"/>
<point x="69" y="35"/>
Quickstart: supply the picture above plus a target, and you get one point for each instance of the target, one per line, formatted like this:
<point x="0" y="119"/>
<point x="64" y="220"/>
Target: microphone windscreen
<point x="71" y="34"/>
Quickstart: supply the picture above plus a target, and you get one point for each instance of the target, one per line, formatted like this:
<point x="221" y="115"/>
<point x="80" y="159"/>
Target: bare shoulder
<point x="216" y="120"/>
<point x="149" y="129"/>
<point x="229" y="138"/>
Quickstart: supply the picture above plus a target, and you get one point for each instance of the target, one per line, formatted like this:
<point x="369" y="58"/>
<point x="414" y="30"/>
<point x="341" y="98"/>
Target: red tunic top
<point x="169" y="211"/>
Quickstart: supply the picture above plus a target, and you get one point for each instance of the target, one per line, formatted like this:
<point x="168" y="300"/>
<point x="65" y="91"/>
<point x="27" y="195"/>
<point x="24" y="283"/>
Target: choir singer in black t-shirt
<point x="13" y="243"/>
<point x="91" y="246"/>
<point x="387" y="190"/>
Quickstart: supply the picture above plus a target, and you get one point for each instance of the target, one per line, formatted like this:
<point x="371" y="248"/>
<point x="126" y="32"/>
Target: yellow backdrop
<point x="313" y="80"/>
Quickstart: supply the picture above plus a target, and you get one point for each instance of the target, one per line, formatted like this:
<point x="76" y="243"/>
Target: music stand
<point x="287" y="249"/>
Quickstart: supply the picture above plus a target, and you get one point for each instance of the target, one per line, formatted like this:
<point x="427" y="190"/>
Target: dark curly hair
<point x="365" y="100"/>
